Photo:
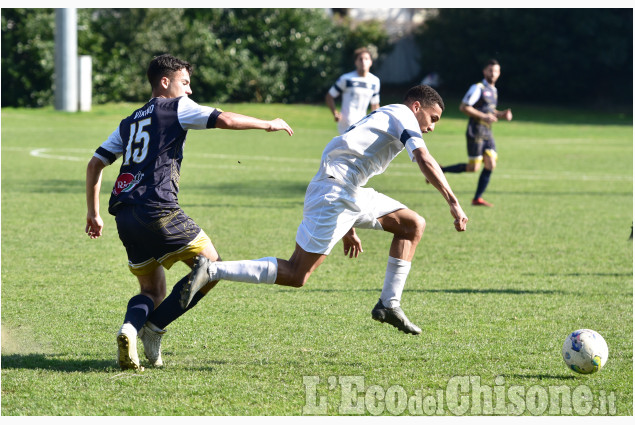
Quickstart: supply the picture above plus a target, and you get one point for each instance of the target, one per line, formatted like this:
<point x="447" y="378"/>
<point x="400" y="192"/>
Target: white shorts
<point x="332" y="208"/>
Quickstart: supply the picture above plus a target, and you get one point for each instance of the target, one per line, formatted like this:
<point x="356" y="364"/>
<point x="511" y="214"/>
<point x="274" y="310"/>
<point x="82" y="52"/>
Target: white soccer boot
<point x="127" y="348"/>
<point x="151" y="336"/>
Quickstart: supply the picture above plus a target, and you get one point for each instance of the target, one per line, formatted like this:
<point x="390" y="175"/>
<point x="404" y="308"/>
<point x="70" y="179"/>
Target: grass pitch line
<point x="47" y="153"/>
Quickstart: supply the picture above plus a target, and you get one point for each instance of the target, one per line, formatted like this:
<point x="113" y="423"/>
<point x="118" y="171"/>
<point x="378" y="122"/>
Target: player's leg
<point x="152" y="285"/>
<point x="489" y="160"/>
<point x="293" y="272"/>
<point x="381" y="212"/>
<point x="169" y="310"/>
<point x="314" y="241"/>
<point x="296" y="270"/>
<point x="407" y="228"/>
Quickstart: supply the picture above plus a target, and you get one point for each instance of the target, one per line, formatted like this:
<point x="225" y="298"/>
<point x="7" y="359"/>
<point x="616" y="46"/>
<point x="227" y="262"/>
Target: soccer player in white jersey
<point x="358" y="89"/>
<point x="337" y="202"/>
<point x="151" y="225"/>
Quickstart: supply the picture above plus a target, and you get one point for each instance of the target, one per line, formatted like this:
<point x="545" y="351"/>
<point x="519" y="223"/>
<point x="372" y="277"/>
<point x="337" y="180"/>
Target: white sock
<point x="396" y="275"/>
<point x="263" y="270"/>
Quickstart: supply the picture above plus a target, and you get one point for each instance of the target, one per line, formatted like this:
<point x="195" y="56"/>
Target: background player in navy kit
<point x="358" y="89"/>
<point x="479" y="103"/>
<point x="337" y="202"/>
<point x="153" y="228"/>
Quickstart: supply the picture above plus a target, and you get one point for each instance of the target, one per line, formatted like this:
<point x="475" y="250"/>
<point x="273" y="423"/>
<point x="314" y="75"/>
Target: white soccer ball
<point x="585" y="351"/>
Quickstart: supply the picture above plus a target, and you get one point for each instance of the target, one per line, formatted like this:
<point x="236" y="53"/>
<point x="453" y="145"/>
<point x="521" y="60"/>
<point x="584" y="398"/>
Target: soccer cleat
<point x="151" y="336"/>
<point x="127" y="348"/>
<point x="394" y="316"/>
<point x="481" y="202"/>
<point x="198" y="278"/>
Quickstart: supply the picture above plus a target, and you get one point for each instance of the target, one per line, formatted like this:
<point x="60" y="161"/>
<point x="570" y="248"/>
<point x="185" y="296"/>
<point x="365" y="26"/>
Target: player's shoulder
<point x="395" y="109"/>
<point x="372" y="77"/>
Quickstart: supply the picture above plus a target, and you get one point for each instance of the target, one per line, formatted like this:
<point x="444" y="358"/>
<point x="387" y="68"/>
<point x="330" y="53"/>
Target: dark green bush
<point x="546" y="55"/>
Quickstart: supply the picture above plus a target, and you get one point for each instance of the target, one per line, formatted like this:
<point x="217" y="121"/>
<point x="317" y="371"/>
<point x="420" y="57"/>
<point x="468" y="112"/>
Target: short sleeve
<point x="111" y="149"/>
<point x="193" y="116"/>
<point x="412" y="140"/>
<point x="375" y="99"/>
<point x="337" y="88"/>
<point x="473" y="95"/>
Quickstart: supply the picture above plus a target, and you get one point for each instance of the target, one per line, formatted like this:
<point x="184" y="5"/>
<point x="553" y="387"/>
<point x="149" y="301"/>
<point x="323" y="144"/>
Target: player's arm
<point x="352" y="244"/>
<point x="234" y="121"/>
<point x="330" y="102"/>
<point x="94" y="222"/>
<point x="432" y="172"/>
<point x="472" y="112"/>
<point x="374" y="106"/>
<point x="506" y="114"/>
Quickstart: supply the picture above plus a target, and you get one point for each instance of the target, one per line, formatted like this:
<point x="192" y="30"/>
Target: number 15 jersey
<point x="150" y="142"/>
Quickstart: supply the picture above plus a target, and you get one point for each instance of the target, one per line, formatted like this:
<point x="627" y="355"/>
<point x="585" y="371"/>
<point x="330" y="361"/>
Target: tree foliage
<point x="263" y="55"/>
<point x="28" y="59"/>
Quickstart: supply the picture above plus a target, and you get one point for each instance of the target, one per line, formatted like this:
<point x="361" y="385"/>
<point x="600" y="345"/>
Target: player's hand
<point x="460" y="219"/>
<point x="490" y="118"/>
<point x="94" y="226"/>
<point x="507" y="114"/>
<point x="352" y="244"/>
<point x="279" y="124"/>
<point x="337" y="116"/>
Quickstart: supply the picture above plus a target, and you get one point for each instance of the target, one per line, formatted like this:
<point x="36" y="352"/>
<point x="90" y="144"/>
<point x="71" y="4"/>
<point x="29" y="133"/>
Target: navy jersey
<point x="150" y="142"/>
<point x="484" y="98"/>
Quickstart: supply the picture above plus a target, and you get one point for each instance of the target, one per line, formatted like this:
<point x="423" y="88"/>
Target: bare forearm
<point x="330" y="102"/>
<point x="433" y="173"/>
<point x="472" y="112"/>
<point x="234" y="121"/>
<point x="93" y="186"/>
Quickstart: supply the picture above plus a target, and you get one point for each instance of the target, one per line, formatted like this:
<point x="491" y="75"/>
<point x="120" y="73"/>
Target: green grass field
<point x="495" y="302"/>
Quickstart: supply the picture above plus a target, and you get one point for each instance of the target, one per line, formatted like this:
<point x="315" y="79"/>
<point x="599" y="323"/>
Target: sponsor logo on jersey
<point x="126" y="182"/>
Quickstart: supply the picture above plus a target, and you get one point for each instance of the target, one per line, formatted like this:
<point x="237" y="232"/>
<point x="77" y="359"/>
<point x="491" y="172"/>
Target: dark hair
<point x="491" y="62"/>
<point x="425" y="95"/>
<point x="360" y="51"/>
<point x="164" y="66"/>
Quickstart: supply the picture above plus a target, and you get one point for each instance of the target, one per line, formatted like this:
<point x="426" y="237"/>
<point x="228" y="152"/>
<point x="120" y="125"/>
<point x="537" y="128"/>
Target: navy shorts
<point x="480" y="141"/>
<point x="158" y="237"/>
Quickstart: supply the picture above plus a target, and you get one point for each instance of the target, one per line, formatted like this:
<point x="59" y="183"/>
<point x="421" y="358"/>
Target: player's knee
<point x="299" y="281"/>
<point x="419" y="226"/>
<point x="295" y="279"/>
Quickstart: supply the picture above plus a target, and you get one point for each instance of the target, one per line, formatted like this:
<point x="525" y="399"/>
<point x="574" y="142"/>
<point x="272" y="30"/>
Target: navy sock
<point x="456" y="168"/>
<point x="483" y="181"/>
<point x="170" y="309"/>
<point x="139" y="307"/>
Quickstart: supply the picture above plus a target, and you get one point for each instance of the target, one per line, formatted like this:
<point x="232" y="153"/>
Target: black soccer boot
<point x="396" y="317"/>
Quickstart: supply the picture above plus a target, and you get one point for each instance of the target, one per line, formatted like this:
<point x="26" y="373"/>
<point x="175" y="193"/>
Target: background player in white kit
<point x="336" y="202"/>
<point x="358" y="88"/>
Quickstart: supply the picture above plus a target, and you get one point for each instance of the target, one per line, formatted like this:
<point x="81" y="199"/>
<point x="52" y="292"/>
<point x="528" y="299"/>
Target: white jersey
<point x="357" y="93"/>
<point x="370" y="145"/>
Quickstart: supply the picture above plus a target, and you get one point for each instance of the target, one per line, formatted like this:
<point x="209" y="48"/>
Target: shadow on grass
<point x="448" y="291"/>
<point x="54" y="362"/>
<point x="629" y="274"/>
<point x="541" y="376"/>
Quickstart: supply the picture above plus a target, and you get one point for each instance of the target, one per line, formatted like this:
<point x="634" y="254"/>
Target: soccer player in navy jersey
<point x="358" y="89"/>
<point x="337" y="202"/>
<point x="151" y="225"/>
<point x="479" y="103"/>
